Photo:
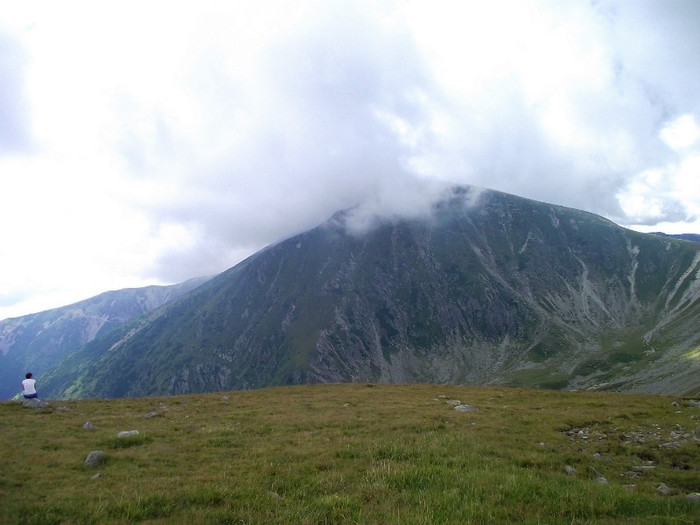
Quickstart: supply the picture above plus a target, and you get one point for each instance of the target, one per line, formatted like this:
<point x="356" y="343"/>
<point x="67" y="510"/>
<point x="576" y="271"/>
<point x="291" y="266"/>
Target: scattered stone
<point x="274" y="494"/>
<point x="694" y="402"/>
<point x="465" y="408"/>
<point x="88" y="426"/>
<point x="602" y="480"/>
<point x="570" y="471"/>
<point x="663" y="489"/>
<point x="631" y="486"/>
<point x="94" y="458"/>
<point x="675" y="404"/>
<point x="224" y="398"/>
<point x="542" y="444"/>
<point x="694" y="496"/>
<point x="672" y="444"/>
<point x="34" y="403"/>
<point x="127" y="433"/>
<point x="96" y="476"/>
<point x="63" y="409"/>
<point x="151" y="414"/>
<point x="597" y="455"/>
<point x="453" y="402"/>
<point x="632" y="474"/>
<point x="643" y="468"/>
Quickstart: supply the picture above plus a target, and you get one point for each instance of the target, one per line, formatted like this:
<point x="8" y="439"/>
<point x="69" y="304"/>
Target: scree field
<point x="354" y="453"/>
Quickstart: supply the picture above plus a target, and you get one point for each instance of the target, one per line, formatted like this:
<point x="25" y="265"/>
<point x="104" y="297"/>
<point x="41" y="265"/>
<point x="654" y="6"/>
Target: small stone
<point x="224" y="398"/>
<point x="597" y="455"/>
<point x="96" y="476"/>
<point x="694" y="496"/>
<point x="151" y="414"/>
<point x="631" y="487"/>
<point x="453" y="402"/>
<point x="663" y="489"/>
<point x="570" y="471"/>
<point x="672" y="444"/>
<point x="94" y="458"/>
<point x="465" y="408"/>
<point x="675" y="404"/>
<point x="34" y="403"/>
<point x="602" y="480"/>
<point x="63" y="409"/>
<point x="127" y="433"/>
<point x="88" y="426"/>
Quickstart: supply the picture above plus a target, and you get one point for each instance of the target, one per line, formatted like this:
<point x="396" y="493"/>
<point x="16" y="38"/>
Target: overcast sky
<point x="149" y="142"/>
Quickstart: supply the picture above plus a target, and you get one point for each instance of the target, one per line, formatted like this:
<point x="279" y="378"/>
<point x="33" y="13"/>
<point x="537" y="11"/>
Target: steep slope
<point x="503" y="290"/>
<point x="38" y="341"/>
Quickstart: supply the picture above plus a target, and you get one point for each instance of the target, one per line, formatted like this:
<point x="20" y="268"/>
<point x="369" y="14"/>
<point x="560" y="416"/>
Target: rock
<point x="597" y="455"/>
<point x="96" y="476"/>
<point x="663" y="489"/>
<point x="695" y="403"/>
<point x="465" y="408"/>
<point x="127" y="433"/>
<point x="224" y="398"/>
<point x="34" y="403"/>
<point x="675" y="404"/>
<point x="94" y="458"/>
<point x="453" y="402"/>
<point x="88" y="426"/>
<point x="694" y="496"/>
<point x="63" y="409"/>
<point x="672" y="444"/>
<point x="602" y="480"/>
<point x="570" y="471"/>
<point x="151" y="414"/>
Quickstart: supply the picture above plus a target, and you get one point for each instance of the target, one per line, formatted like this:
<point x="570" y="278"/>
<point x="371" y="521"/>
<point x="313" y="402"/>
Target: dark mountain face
<point x="39" y="341"/>
<point x="502" y="291"/>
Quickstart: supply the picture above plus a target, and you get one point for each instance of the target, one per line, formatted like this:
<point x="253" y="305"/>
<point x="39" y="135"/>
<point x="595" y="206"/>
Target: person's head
<point x="29" y="375"/>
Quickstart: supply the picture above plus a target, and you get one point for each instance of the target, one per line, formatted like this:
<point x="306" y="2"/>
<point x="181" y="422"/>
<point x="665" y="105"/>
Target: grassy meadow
<point x="354" y="453"/>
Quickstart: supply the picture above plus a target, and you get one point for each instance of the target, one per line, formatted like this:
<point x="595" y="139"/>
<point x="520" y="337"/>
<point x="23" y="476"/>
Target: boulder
<point x="94" y="458"/>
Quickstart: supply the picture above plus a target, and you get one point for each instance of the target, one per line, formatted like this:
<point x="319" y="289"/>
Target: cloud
<point x="15" y="134"/>
<point x="176" y="142"/>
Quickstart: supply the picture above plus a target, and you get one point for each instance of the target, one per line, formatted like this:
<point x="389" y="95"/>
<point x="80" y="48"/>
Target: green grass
<point x="367" y="454"/>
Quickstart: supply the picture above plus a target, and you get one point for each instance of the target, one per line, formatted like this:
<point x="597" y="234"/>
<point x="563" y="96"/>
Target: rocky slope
<point x="493" y="289"/>
<point x="39" y="341"/>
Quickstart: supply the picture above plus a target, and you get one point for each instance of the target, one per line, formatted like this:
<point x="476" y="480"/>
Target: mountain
<point x="693" y="237"/>
<point x="489" y="289"/>
<point x="38" y="341"/>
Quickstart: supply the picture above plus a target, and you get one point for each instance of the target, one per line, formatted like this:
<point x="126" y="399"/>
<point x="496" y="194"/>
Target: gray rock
<point x="694" y="496"/>
<point x="465" y="408"/>
<point x="570" y="471"/>
<point x="34" y="403"/>
<point x="127" y="433"/>
<point x="224" y="398"/>
<point x="597" y="455"/>
<point x="671" y="444"/>
<point x="453" y="402"/>
<point x="663" y="489"/>
<point x="88" y="426"/>
<point x="94" y="458"/>
<point x="151" y="414"/>
<point x="63" y="409"/>
<point x="96" y="476"/>
<point x="675" y="404"/>
<point x="602" y="480"/>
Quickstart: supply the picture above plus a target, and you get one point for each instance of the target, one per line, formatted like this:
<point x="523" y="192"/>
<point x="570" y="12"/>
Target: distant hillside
<point x="693" y="237"/>
<point x="38" y="341"/>
<point x="490" y="289"/>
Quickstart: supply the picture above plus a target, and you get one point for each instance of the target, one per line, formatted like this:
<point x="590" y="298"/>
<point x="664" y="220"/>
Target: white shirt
<point x="28" y="387"/>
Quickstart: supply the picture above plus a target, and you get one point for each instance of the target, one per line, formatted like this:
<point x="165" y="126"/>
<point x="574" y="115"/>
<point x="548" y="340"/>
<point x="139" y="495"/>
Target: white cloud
<point x="156" y="141"/>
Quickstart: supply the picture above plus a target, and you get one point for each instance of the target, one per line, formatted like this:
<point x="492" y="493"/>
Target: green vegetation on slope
<point x="353" y="454"/>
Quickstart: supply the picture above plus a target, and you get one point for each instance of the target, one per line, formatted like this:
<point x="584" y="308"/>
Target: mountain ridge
<point x="38" y="341"/>
<point x="489" y="289"/>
